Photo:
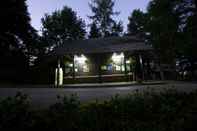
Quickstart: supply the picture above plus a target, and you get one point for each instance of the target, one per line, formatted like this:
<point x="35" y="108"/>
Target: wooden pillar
<point x="58" y="69"/>
<point x="125" y="68"/>
<point x="99" y="68"/>
<point x="100" y="74"/>
<point x="161" y="71"/>
<point x="141" y="66"/>
<point x="149" y="72"/>
<point x="58" y="74"/>
<point x="135" y="71"/>
<point x="73" y="68"/>
<point x="133" y="67"/>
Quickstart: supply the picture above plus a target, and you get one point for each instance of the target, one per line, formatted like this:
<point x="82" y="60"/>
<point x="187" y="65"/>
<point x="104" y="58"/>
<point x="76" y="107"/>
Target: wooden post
<point x="161" y="71"/>
<point x="99" y="69"/>
<point x="141" y="66"/>
<point x="148" y="69"/>
<point x="58" y="74"/>
<point x="73" y="68"/>
<point x="125" y="67"/>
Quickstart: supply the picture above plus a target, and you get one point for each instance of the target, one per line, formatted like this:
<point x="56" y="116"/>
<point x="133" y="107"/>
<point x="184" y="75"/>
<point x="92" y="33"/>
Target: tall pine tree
<point x="137" y="23"/>
<point x="16" y="37"/>
<point x="103" y="13"/>
<point x="94" y="31"/>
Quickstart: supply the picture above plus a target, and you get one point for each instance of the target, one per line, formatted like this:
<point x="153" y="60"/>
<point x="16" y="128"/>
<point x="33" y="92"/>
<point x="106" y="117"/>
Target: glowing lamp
<point x="128" y="62"/>
<point x="117" y="58"/>
<point x="80" y="59"/>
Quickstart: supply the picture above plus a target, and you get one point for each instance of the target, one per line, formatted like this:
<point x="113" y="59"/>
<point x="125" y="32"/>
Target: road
<point x="43" y="97"/>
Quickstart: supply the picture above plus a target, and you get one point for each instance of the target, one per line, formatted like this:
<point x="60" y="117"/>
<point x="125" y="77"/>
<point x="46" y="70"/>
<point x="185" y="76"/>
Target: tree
<point x="173" y="30"/>
<point x="94" y="31"/>
<point x="137" y="23"/>
<point x="62" y="25"/>
<point x="187" y="10"/>
<point x="163" y="27"/>
<point x="103" y="16"/>
<point x="16" y="34"/>
<point x="117" y="29"/>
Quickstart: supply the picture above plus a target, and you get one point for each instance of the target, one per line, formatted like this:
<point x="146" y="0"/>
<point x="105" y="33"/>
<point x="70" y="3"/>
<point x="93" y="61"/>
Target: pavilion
<point x="105" y="60"/>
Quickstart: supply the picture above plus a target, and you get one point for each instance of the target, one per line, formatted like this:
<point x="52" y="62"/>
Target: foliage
<point x="172" y="30"/>
<point x="148" y="111"/>
<point x="117" y="29"/>
<point x="60" y="26"/>
<point x="137" y="23"/>
<point x="65" y="114"/>
<point x="15" y="113"/>
<point x="16" y="34"/>
<point x="94" y="31"/>
<point x="163" y="27"/>
<point x="103" y="17"/>
<point x="169" y="26"/>
<point x="187" y="11"/>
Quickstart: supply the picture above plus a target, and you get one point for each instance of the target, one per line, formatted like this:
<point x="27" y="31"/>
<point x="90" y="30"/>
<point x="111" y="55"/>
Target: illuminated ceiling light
<point x="76" y="70"/>
<point x="128" y="62"/>
<point x="117" y="58"/>
<point x="80" y="59"/>
<point x="70" y="65"/>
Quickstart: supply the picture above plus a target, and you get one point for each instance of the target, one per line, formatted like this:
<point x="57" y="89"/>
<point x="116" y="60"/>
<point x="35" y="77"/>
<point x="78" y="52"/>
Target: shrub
<point x="146" y="111"/>
<point x="15" y="113"/>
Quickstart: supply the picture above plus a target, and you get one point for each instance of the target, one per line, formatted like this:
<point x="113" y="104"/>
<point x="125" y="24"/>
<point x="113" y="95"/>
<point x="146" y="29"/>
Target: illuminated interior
<point x="81" y="64"/>
<point x="118" y="62"/>
<point x="80" y="59"/>
<point x="118" y="58"/>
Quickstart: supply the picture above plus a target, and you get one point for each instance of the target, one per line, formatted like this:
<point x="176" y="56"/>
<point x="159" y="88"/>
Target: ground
<point x="43" y="96"/>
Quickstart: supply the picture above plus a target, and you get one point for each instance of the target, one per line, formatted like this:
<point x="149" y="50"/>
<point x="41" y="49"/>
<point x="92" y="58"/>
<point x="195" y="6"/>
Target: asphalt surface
<point x="43" y="97"/>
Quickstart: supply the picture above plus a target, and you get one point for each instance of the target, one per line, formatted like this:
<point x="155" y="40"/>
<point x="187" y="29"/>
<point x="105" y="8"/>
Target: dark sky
<point x="37" y="8"/>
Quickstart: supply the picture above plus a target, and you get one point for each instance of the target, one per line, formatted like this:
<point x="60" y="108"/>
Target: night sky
<point x="37" y="8"/>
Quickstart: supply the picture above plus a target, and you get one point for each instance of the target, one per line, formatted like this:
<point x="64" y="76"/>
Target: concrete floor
<point x="43" y="97"/>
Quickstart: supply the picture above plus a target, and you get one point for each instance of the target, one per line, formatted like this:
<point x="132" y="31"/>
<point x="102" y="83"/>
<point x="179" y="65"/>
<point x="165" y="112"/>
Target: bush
<point x="15" y="113"/>
<point x="147" y="111"/>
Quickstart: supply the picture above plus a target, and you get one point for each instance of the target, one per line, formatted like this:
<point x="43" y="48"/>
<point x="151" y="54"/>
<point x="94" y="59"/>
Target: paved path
<point x="43" y="97"/>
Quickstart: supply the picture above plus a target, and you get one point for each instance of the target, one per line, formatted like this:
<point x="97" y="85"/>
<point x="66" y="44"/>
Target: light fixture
<point x="70" y="65"/>
<point x="117" y="58"/>
<point x="128" y="62"/>
<point x="80" y="59"/>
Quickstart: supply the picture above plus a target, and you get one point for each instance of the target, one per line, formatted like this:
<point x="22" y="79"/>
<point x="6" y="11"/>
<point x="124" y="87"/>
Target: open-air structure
<point x="105" y="60"/>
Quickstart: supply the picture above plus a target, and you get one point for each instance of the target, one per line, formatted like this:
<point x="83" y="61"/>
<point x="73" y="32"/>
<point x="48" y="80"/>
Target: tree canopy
<point x="16" y="33"/>
<point x="187" y="10"/>
<point x="94" y="31"/>
<point x="137" y="23"/>
<point x="163" y="27"/>
<point x="62" y="25"/>
<point x="103" y="12"/>
<point x="170" y="27"/>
